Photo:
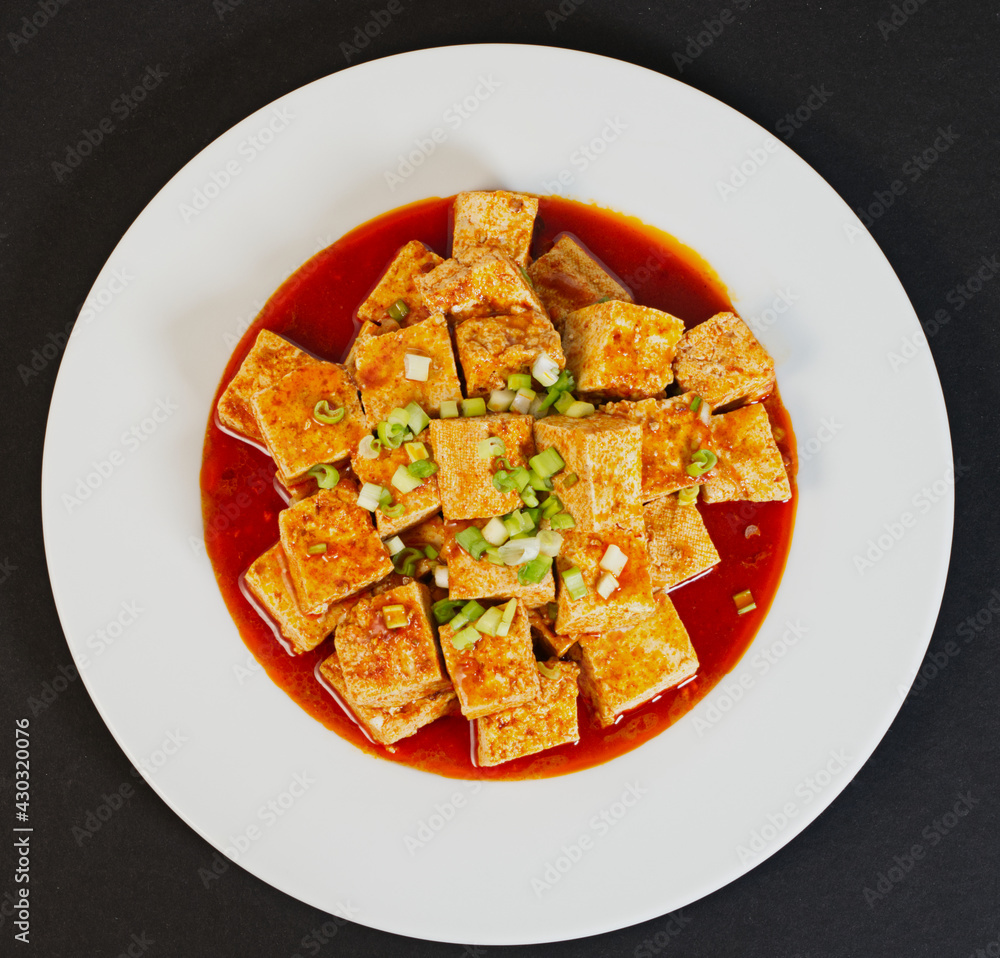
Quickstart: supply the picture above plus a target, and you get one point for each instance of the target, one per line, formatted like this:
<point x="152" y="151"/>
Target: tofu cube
<point x="388" y="667"/>
<point x="398" y="282"/>
<point x="472" y="579"/>
<point x="296" y="440"/>
<point x="671" y="433"/>
<point x="354" y="556"/>
<point x="620" y="671"/>
<point x="271" y="590"/>
<point x="722" y="361"/>
<point x="631" y="602"/>
<point x="678" y="542"/>
<point x="487" y="283"/>
<point x="465" y="479"/>
<point x="544" y="632"/>
<point x="545" y="722"/>
<point x="621" y="350"/>
<point x="417" y="505"/>
<point x="750" y="464"/>
<point x="499" y="219"/>
<point x="490" y="348"/>
<point x="380" y="369"/>
<point x="497" y="672"/>
<point x="568" y="277"/>
<point x="387" y="726"/>
<point x="369" y="328"/>
<point x="270" y="358"/>
<point x="605" y="453"/>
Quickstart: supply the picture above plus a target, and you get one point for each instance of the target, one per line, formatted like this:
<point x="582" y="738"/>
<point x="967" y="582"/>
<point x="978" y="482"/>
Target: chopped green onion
<point x="417" y="419"/>
<point x="448" y="409"/>
<point x="445" y="609"/>
<point x="527" y="278"/>
<point x="500" y="400"/>
<point x="517" y="522"/>
<point x="395" y="616"/>
<point x="564" y="401"/>
<point x="538" y="483"/>
<point x="551" y="507"/>
<point x="472" y="541"/>
<point x="465" y="639"/>
<point x="547" y="671"/>
<point x="393" y="434"/>
<point x="509" y="611"/>
<point x="523" y="399"/>
<point x="416" y="451"/>
<point x="422" y="468"/>
<point x="317" y="550"/>
<point x="398" y="416"/>
<point x="607" y="584"/>
<point x="405" y="482"/>
<point x="395" y="545"/>
<point x="580" y="409"/>
<point x="613" y="560"/>
<point x="531" y="573"/>
<point x="416" y="367"/>
<point x="573" y="582"/>
<point x="517" y="551"/>
<point x="490" y="621"/>
<point x="472" y="610"/>
<point x="547" y="463"/>
<point x="398" y="310"/>
<point x="392" y="511"/>
<point x="552" y="609"/>
<point x="695" y="403"/>
<point x="570" y="480"/>
<point x="458" y="621"/>
<point x="492" y="555"/>
<point x="326" y="476"/>
<point x="562" y="520"/>
<point x="701" y="462"/>
<point x="441" y="576"/>
<point x="549" y="542"/>
<point x="495" y="532"/>
<point x="537" y="408"/>
<point x="688" y="495"/>
<point x="521" y="478"/>
<point x="502" y="481"/>
<point x="528" y="497"/>
<point x="535" y="514"/>
<point x="368" y="447"/>
<point x="744" y="602"/>
<point x="488" y="448"/>
<point x="431" y="552"/>
<point x="603" y="299"/>
<point x="405" y="562"/>
<point x="474" y="407"/>
<point x="370" y="496"/>
<point x="545" y="370"/>
<point x="324" y="414"/>
<point x="516" y="381"/>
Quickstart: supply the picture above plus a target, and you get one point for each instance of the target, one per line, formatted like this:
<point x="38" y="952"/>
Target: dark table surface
<point x="892" y="75"/>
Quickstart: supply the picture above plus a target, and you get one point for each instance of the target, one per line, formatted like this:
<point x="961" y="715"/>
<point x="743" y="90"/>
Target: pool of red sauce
<point x="315" y="308"/>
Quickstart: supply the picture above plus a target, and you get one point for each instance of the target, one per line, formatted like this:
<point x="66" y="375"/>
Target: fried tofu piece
<point x="544" y="632"/>
<point x="486" y="283"/>
<point x="354" y="556"/>
<point x="387" y="667"/>
<point x="398" y="283"/>
<point x="270" y="358"/>
<point x="678" y="542"/>
<point x="496" y="673"/>
<point x="568" y="277"/>
<point x="472" y="579"/>
<point x="417" y="504"/>
<point x="631" y="602"/>
<point x="296" y="440"/>
<point x="750" y="464"/>
<point x="545" y="722"/>
<point x="387" y="726"/>
<point x="671" y="433"/>
<point x="605" y="453"/>
<point x="622" y="670"/>
<point x="270" y="585"/>
<point x="490" y="348"/>
<point x="465" y="479"/>
<point x="498" y="220"/>
<point x="369" y="328"/>
<point x="620" y="349"/>
<point x="380" y="364"/>
<point x="722" y="361"/>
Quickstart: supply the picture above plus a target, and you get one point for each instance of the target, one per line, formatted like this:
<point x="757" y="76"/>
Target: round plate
<point x="410" y="852"/>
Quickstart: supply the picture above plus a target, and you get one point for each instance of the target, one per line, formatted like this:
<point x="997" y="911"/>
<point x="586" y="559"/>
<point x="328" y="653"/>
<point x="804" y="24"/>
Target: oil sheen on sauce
<point x="315" y="308"/>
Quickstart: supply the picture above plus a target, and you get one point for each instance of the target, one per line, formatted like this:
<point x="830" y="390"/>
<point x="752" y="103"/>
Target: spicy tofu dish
<point x="492" y="501"/>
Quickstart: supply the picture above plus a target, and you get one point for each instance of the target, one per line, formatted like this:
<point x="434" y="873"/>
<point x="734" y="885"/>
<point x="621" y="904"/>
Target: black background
<point x="890" y="88"/>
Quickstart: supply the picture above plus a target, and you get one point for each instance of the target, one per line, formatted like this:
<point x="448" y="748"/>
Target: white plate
<point x="410" y="852"/>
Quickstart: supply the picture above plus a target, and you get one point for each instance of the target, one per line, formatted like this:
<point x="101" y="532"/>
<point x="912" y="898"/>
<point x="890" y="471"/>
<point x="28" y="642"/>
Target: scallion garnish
<point x="369" y="447"/>
<point x="392" y="511"/>
<point x="422" y="468"/>
<point x="523" y="399"/>
<point x="547" y="463"/>
<point x="398" y="310"/>
<point x="564" y="401"/>
<point x="509" y="611"/>
<point x="445" y="609"/>
<point x="416" y="367"/>
<point x="495" y="532"/>
<point x="317" y="550"/>
<point x="431" y="552"/>
<point x="416" y="418"/>
<point x="573" y="582"/>
<point x="562" y="520"/>
<point x="448" y="409"/>
<point x="545" y="370"/>
<point x="404" y="481"/>
<point x="695" y="403"/>
<point x="606" y="585"/>
<point x="489" y="621"/>
<point x="326" y="476"/>
<point x="322" y="412"/>
<point x="472" y="541"/>
<point x="474" y="407"/>
<point x="744" y="602"/>
<point x="688" y="495"/>
<point x="538" y="483"/>
<point x="370" y="496"/>
<point x="549" y="542"/>
<point x="488" y="448"/>
<point x="492" y="555"/>
<point x="701" y="462"/>
<point x="517" y="522"/>
<point x="405" y="562"/>
<point x="500" y="400"/>
<point x="465" y="639"/>
<point x="570" y="480"/>
<point x="580" y="409"/>
<point x="532" y="572"/>
<point x="395" y="616"/>
<point x="528" y="497"/>
<point x="394" y="545"/>
<point x="527" y="278"/>
<point x="416" y="450"/>
<point x="547" y="671"/>
<point x="441" y="576"/>
<point x="613" y="560"/>
<point x="517" y="551"/>
<point x="516" y="381"/>
<point x="551" y="506"/>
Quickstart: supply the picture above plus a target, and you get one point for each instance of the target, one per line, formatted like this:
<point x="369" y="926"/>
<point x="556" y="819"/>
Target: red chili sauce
<point x="315" y="308"/>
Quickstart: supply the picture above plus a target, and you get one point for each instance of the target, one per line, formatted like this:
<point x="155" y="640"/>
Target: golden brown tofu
<point x="498" y="220"/>
<point x="750" y="465"/>
<point x="671" y="433"/>
<point x="678" y="542"/>
<point x="369" y="328"/>
<point x="270" y="358"/>
<point x="472" y="579"/>
<point x="384" y="666"/>
<point x="568" y="277"/>
<point x="417" y="504"/>
<point x="605" y="454"/>
<point x="465" y="479"/>
<point x="621" y="350"/>
<point x="380" y="365"/>
<point x="544" y="632"/>
<point x="270" y="585"/>
<point x="496" y="673"/>
<point x="286" y="415"/>
<point x="621" y="670"/>
<point x="722" y="361"/>
<point x="487" y="283"/>
<point x="353" y="557"/>
<point x="628" y="604"/>
<point x="490" y="348"/>
<point x="386" y="726"/>
<point x="545" y="722"/>
<point x="398" y="283"/>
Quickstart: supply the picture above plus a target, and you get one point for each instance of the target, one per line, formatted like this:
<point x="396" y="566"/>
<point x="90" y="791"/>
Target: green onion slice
<point x="465" y="639"/>
<point x="701" y="462"/>
<point x="392" y="511"/>
<point x="495" y="532"/>
<point x="688" y="495"/>
<point x="500" y="400"/>
<point x="472" y="541"/>
<point x="570" y="480"/>
<point x="322" y="412"/>
<point x="431" y="552"/>
<point x="518" y="381"/>
<point x="444" y="610"/>
<point x="573" y="582"/>
<point x="417" y="450"/>
<point x="405" y="562"/>
<point x="422" y="468"/>
<point x="531" y="573"/>
<point x="490" y="621"/>
<point x="517" y="551"/>
<point x="368" y="447"/>
<point x="580" y="409"/>
<point x="326" y="476"/>
<point x="472" y="610"/>
<point x="404" y="481"/>
<point x="547" y="671"/>
<point x="695" y="403"/>
<point x="370" y="496"/>
<point x="448" y="409"/>
<point x="317" y="550"/>
<point x="547" y="463"/>
<point x="398" y="310"/>
<point x="493" y="446"/>
<point x="562" y="520"/>
<point x="416" y="419"/>
<point x="474" y="407"/>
